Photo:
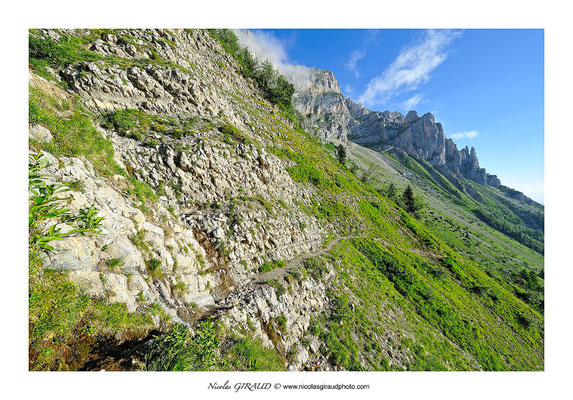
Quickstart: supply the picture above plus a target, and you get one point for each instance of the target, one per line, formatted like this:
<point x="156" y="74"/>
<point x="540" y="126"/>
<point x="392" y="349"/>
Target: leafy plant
<point x="46" y="210"/>
<point x="88" y="221"/>
<point x="180" y="350"/>
<point x="154" y="267"/>
<point x="250" y="355"/>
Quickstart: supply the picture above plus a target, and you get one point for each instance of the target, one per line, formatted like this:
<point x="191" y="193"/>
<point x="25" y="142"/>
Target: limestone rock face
<point x="319" y="98"/>
<point x="259" y="309"/>
<point x="330" y="116"/>
<point x="420" y="137"/>
<point x="217" y="217"/>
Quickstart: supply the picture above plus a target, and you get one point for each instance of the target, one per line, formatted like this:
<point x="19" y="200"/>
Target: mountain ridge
<point x="331" y="115"/>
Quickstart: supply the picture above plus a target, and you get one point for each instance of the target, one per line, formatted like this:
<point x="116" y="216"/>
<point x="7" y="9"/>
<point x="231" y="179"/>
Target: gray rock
<point x="40" y="133"/>
<point x="88" y="281"/>
<point x="154" y="229"/>
<point x="332" y="117"/>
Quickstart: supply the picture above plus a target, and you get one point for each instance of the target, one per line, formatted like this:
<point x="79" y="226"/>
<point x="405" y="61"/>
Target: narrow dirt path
<point x="295" y="262"/>
<point x="278" y="273"/>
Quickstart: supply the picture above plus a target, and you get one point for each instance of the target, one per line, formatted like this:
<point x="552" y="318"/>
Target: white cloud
<point x="464" y="135"/>
<point x="347" y="90"/>
<point x="411" y="68"/>
<point x="412" y="102"/>
<point x="265" y="46"/>
<point x="371" y="35"/>
<point x="353" y="57"/>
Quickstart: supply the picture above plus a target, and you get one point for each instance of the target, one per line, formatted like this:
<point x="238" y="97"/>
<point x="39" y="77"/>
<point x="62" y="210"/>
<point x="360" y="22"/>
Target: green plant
<point x="154" y="268"/>
<point x="231" y="132"/>
<point x="76" y="185"/>
<point x="138" y="240"/>
<point x="341" y="154"/>
<point x="140" y="298"/>
<point x="269" y="266"/>
<point x="279" y="288"/>
<point x="112" y="263"/>
<point x="274" y="86"/>
<point x="282" y="323"/>
<point x="249" y="354"/>
<point x="88" y="222"/>
<point x="69" y="49"/>
<point x="46" y="210"/>
<point x="179" y="288"/>
<point x="179" y="350"/>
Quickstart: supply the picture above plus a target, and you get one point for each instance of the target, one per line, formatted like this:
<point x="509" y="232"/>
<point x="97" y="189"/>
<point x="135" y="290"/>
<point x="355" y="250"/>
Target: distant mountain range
<point x="331" y="116"/>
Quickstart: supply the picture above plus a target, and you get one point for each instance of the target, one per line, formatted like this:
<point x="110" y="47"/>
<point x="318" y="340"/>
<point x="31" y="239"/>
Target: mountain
<point x="183" y="218"/>
<point x="328" y="112"/>
<point x="416" y="140"/>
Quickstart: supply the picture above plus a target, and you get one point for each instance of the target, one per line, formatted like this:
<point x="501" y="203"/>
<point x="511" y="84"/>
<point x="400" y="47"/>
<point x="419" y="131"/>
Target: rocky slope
<point x="216" y="219"/>
<point x="205" y="187"/>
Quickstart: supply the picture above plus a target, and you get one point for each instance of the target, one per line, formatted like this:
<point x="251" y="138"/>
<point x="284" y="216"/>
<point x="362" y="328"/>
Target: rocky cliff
<point x="216" y="218"/>
<point x="318" y="97"/>
<point x="331" y="115"/>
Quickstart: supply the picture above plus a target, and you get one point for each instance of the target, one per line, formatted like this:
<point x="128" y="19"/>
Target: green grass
<point x="233" y="134"/>
<point x="154" y="268"/>
<point x="113" y="263"/>
<point x="437" y="293"/>
<point x="66" y="325"/>
<point x="71" y="49"/>
<point x="269" y="266"/>
<point x="249" y="354"/>
<point x="179" y="350"/>
<point x="463" y="304"/>
<point x="432" y="296"/>
<point x="137" y="124"/>
<point x="74" y="135"/>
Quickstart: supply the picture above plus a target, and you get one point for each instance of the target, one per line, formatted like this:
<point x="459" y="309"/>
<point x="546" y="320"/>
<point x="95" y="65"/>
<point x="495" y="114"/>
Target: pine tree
<point x="409" y="200"/>
<point x="341" y="154"/>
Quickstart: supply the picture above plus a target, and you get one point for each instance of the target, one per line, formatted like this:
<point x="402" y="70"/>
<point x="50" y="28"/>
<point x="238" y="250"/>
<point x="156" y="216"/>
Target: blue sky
<point x="485" y="86"/>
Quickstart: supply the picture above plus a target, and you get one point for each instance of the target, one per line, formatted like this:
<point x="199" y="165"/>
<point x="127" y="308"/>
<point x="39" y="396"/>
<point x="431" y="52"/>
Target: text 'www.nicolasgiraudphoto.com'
<point x="256" y="386"/>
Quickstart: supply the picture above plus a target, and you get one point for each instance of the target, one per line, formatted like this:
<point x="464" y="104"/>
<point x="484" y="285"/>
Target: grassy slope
<point x="451" y="219"/>
<point x="451" y="294"/>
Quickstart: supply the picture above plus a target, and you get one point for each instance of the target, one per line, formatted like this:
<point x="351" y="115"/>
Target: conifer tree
<point x="409" y="200"/>
<point x="341" y="154"/>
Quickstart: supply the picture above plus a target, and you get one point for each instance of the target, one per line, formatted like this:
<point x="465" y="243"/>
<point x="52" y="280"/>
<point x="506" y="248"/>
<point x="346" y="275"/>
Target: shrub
<point x="231" y="132"/>
<point x="248" y="354"/>
<point x="315" y="267"/>
<point x="179" y="350"/>
<point x="282" y="323"/>
<point x="274" y="86"/>
<point x="154" y="268"/>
